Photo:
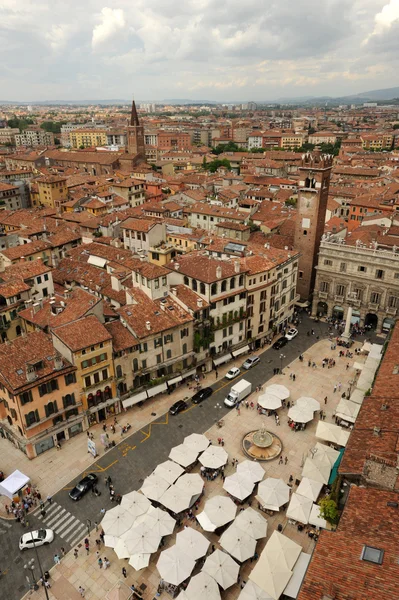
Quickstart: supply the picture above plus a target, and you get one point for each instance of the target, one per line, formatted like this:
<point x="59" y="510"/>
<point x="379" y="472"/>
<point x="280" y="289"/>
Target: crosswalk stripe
<point x="75" y="527"/>
<point x="47" y="507"/>
<point x="76" y="539"/>
<point x="52" y="510"/>
<point x="54" y="517"/>
<point x="59" y="526"/>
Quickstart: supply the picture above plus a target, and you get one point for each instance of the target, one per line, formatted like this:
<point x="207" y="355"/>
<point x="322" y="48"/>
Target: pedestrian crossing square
<point x="65" y="525"/>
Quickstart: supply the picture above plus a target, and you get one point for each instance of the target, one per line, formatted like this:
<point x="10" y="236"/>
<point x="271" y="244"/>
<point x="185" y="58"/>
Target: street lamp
<point x="88" y="523"/>
<point x="40" y="566"/>
<point x="29" y="567"/>
<point x="282" y="356"/>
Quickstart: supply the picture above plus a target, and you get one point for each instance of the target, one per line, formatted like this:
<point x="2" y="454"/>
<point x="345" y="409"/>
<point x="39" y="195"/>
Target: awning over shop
<point x="13" y="484"/>
<point x="302" y="304"/>
<point x="334" y="472"/>
<point x="158" y="389"/>
<point x="240" y="351"/>
<point x="189" y="373"/>
<point x="175" y="380"/>
<point x="221" y="359"/>
<point x="134" y="399"/>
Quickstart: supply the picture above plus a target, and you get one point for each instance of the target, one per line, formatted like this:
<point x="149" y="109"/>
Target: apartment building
<point x="208" y="216"/>
<point x="7" y="135"/>
<point x="34" y="137"/>
<point x="52" y="191"/>
<point x="40" y="397"/>
<point x="87" y="138"/>
<point x="132" y="190"/>
<point x="142" y="234"/>
<point x="10" y="196"/>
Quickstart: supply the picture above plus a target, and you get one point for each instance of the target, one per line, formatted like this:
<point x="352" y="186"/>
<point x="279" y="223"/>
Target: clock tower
<point x="314" y="182"/>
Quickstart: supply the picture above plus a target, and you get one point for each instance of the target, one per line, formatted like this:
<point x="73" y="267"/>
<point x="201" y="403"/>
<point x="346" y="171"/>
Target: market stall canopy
<point x="139" y="561"/>
<point x="308" y="402"/>
<point x="117" y="521"/>
<point x="315" y="518"/>
<point x="298" y="575"/>
<point x="322" y="450"/>
<point x="299" y="508"/>
<point x="205" y="522"/>
<point x="300" y="414"/>
<point x="278" y="390"/>
<point x="281" y="550"/>
<point x="252" y="469"/>
<point x="202" y="586"/>
<point x="176" y="499"/>
<point x="332" y="433"/>
<point x="174" y="566"/>
<point x="220" y="510"/>
<point x="214" y="457"/>
<point x="197" y="441"/>
<point x="183" y="455"/>
<point x="269" y="401"/>
<point x="137" y="504"/>
<point x="347" y="410"/>
<point x="273" y="493"/>
<point x="238" y="543"/>
<point x="192" y="542"/>
<point x="141" y="540"/>
<point x="11" y="485"/>
<point x="252" y="522"/>
<point x="120" y="549"/>
<point x="251" y="591"/>
<point x="319" y="470"/>
<point x="271" y="577"/>
<point x="191" y="483"/>
<point x="357" y="396"/>
<point x="358" y="366"/>
<point x="238" y="485"/>
<point x="159" y="521"/>
<point x="169" y="471"/>
<point x="154" y="486"/>
<point x="309" y="488"/>
<point x="222" y="568"/>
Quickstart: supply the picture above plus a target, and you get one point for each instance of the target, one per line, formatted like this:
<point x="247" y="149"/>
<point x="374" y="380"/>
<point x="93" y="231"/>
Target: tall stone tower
<point x="314" y="182"/>
<point x="135" y="134"/>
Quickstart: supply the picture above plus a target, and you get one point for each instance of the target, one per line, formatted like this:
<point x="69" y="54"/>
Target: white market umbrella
<point x="137" y="504"/>
<point x="159" y="521"/>
<point x="192" y="542"/>
<point x="325" y="452"/>
<point x="174" y="566"/>
<point x="310" y="488"/>
<point x="238" y="543"/>
<point x="117" y="521"/>
<point x="315" y="518"/>
<point x="214" y="457"/>
<point x="183" y="455"/>
<point x="197" y="441"/>
<point x="239" y="486"/>
<point x="299" y="508"/>
<point x="205" y="522"/>
<point x="269" y="401"/>
<point x="141" y="540"/>
<point x="139" y="561"/>
<point x="273" y="493"/>
<point x="220" y="510"/>
<point x="110" y="541"/>
<point x="347" y="410"/>
<point x="176" y="499"/>
<point x="308" y="402"/>
<point x="281" y="550"/>
<point x="317" y="470"/>
<point x="270" y="576"/>
<point x="252" y="522"/>
<point x="191" y="483"/>
<point x="222" y="568"/>
<point x="154" y="486"/>
<point x="202" y="586"/>
<point x="169" y="471"/>
<point x="300" y="414"/>
<point x="332" y="433"/>
<point x="120" y="549"/>
<point x="251" y="469"/>
<point x="251" y="591"/>
<point x="278" y="390"/>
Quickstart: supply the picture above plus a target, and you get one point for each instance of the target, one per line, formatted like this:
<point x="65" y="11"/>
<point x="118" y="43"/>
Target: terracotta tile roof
<point x="189" y="298"/>
<point x="7" y="187"/>
<point x="103" y="158"/>
<point x="122" y="339"/>
<point x="83" y="333"/>
<point x="138" y="224"/>
<point x="26" y="249"/>
<point x="13" y="287"/>
<point x="234" y="226"/>
<point x="204" y="267"/>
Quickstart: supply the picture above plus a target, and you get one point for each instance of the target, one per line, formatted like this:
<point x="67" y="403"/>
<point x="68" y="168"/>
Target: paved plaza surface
<point x="135" y="457"/>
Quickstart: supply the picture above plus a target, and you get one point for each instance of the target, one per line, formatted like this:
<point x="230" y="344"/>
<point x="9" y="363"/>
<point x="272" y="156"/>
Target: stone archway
<point x="371" y="321"/>
<point x="322" y="309"/>
<point x="338" y="313"/>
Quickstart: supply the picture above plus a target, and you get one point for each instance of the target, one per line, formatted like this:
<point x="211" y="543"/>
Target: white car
<point x="251" y="362"/>
<point x="32" y="539"/>
<point x="291" y="333"/>
<point x="233" y="373"/>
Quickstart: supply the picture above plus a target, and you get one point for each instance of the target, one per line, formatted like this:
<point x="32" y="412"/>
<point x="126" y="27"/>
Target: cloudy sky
<point x="199" y="49"/>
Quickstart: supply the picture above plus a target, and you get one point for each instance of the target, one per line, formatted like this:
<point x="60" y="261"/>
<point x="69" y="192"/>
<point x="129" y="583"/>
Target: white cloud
<point x="112" y="21"/>
<point x="384" y="20"/>
<point x="58" y="36"/>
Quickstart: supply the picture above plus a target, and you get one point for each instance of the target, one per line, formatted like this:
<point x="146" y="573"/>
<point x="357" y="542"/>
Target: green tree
<point x="214" y="165"/>
<point x="396" y="126"/>
<point x="329" y="510"/>
<point x="312" y="130"/>
<point x="204" y="163"/>
<point x="52" y="126"/>
<point x="20" y="123"/>
<point x="229" y="147"/>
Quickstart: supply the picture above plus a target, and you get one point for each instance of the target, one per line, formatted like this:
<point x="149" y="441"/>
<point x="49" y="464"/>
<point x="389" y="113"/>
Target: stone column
<point x="346" y="335"/>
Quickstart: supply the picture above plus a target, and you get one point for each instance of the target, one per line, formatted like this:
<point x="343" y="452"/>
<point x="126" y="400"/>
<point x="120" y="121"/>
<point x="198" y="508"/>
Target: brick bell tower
<point x="314" y="183"/>
<point x="135" y="134"/>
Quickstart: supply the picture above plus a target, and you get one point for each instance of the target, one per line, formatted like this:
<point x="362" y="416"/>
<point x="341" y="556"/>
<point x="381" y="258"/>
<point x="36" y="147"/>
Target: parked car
<point x="251" y="362"/>
<point x="201" y="395"/>
<point x="233" y="373"/>
<point x="280" y="343"/>
<point x="40" y="537"/>
<point x="83" y="486"/>
<point x="177" y="407"/>
<point x="291" y="333"/>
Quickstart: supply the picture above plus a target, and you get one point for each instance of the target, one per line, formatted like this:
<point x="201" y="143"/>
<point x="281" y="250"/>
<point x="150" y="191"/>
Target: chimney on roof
<point x="67" y="293"/>
<point x="148" y="325"/>
<point x="174" y="291"/>
<point x="218" y="272"/>
<point x="30" y="373"/>
<point x="199" y="303"/>
<point x="36" y="307"/>
<point x="58" y="362"/>
<point x="236" y="266"/>
<point x="177" y="266"/>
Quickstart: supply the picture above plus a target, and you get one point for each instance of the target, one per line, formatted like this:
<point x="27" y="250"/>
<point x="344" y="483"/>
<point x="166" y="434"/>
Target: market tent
<point x="281" y="550"/>
<point x="319" y="470"/>
<point x="332" y="433"/>
<point x="239" y="486"/>
<point x="169" y="471"/>
<point x="154" y="486"/>
<point x="309" y="488"/>
<point x="222" y="568"/>
<point x="141" y="540"/>
<point x="300" y="414"/>
<point x="252" y="469"/>
<point x="197" y="441"/>
<point x="278" y="390"/>
<point x="273" y="493"/>
<point x="334" y="472"/>
<point x="326" y="452"/>
<point x="347" y="410"/>
<point x="191" y="483"/>
<point x="176" y="499"/>
<point x="137" y="504"/>
<point x="120" y="549"/>
<point x="214" y="457"/>
<point x="174" y="566"/>
<point x="308" y="402"/>
<point x="202" y="586"/>
<point x="357" y="396"/>
<point x="299" y="508"/>
<point x="220" y="510"/>
<point x="183" y="455"/>
<point x="251" y="591"/>
<point x="298" y="575"/>
<point x="205" y="522"/>
<point x="315" y="518"/>
<point x="11" y="485"/>
<point x="358" y="366"/>
<point x="139" y="561"/>
<point x="272" y="577"/>
<point x="238" y="543"/>
<point x="159" y="521"/>
<point x="192" y="542"/>
<point x="117" y="521"/>
<point x="269" y="401"/>
<point x="252" y="522"/>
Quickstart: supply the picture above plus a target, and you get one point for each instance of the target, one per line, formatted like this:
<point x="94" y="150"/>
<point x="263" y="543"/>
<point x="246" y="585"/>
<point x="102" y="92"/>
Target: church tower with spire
<point x="135" y="134"/>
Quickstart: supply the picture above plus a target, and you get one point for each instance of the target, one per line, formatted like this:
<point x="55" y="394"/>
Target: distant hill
<point x="386" y="94"/>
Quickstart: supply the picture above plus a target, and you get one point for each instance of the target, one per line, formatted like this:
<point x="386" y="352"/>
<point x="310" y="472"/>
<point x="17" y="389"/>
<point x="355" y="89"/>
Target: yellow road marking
<point x="148" y="434"/>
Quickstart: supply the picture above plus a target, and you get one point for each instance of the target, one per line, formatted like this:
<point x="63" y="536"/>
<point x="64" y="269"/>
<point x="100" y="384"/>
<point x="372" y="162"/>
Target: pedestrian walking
<point x="124" y="573"/>
<point x="100" y="563"/>
<point x="280" y="462"/>
<point x="56" y="559"/>
<point x="87" y="545"/>
<point x="106" y="563"/>
<point x="76" y="553"/>
<point x="42" y="512"/>
<point x="286" y="460"/>
<point x="62" y="551"/>
<point x="335" y="388"/>
<point x="46" y="584"/>
<point x="325" y="400"/>
<point x="81" y="591"/>
<point x="216" y="374"/>
<point x="49" y="499"/>
<point x="105" y="427"/>
<point x="98" y="543"/>
<point x="293" y="376"/>
<point x="102" y="512"/>
<point x="96" y="525"/>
